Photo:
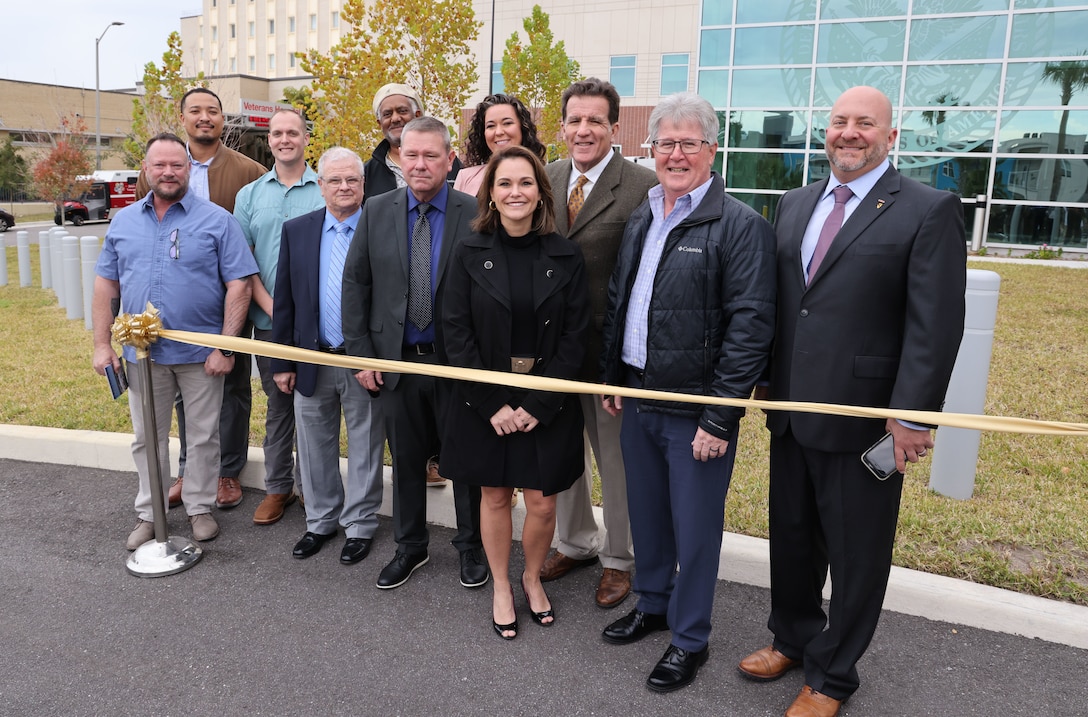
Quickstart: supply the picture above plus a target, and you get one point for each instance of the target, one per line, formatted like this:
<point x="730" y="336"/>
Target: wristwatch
<point x="227" y="354"/>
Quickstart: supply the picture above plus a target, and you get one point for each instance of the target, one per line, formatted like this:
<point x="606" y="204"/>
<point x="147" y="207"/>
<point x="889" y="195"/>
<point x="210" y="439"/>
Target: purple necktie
<point x="831" y="227"/>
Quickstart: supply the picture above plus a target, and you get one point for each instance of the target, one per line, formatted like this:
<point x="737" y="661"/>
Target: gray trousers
<point x="576" y="528"/>
<point x="203" y="396"/>
<point x="280" y="471"/>
<point x="330" y="500"/>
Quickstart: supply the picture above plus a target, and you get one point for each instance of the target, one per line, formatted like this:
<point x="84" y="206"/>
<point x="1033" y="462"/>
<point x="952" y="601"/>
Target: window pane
<point x="764" y="170"/>
<point x="498" y="84"/>
<point x="674" y="79"/>
<point x="622" y="74"/>
<point x="862" y="42"/>
<point x="946" y="130"/>
<point x="957" y="38"/>
<point x="782" y="45"/>
<point x="1038" y="3"/>
<point x="1032" y="178"/>
<point x="1027" y="83"/>
<point x="714" y="87"/>
<point x="753" y="128"/>
<point x="964" y="176"/>
<point x="953" y="84"/>
<point x="765" y="204"/>
<point x="941" y="7"/>
<point x="833" y="81"/>
<point x="714" y="48"/>
<point x="770" y="88"/>
<point x="1017" y="125"/>
<point x="1025" y="224"/>
<point x="1048" y="34"/>
<point x="885" y="8"/>
<point x="774" y="10"/>
<point x="717" y="12"/>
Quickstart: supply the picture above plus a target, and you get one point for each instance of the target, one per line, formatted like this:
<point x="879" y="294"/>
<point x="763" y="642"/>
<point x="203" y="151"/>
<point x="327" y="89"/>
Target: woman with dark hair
<point x="500" y="121"/>
<point x="516" y="300"/>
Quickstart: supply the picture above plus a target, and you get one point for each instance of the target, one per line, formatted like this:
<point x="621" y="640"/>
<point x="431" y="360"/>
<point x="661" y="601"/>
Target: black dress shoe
<point x="633" y="627"/>
<point x="310" y="544"/>
<point x="474" y="572"/>
<point x="355" y="549"/>
<point x="676" y="668"/>
<point x="399" y="569"/>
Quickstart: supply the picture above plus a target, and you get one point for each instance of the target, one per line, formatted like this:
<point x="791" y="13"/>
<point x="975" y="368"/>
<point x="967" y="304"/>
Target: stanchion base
<point x="155" y="560"/>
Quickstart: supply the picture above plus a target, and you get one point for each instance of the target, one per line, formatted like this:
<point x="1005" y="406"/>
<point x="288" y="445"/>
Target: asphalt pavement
<point x="252" y="631"/>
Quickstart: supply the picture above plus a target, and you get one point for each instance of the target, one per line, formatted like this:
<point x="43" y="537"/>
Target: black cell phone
<point x="880" y="458"/>
<point x="118" y="380"/>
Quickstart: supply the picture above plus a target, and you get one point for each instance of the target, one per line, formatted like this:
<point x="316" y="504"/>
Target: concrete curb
<point x="743" y="559"/>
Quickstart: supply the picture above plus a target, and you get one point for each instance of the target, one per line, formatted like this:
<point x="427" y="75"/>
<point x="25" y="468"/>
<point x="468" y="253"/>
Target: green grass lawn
<point x="1026" y="528"/>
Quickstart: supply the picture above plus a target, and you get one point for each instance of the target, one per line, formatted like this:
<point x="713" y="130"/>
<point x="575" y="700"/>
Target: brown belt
<point x="521" y="365"/>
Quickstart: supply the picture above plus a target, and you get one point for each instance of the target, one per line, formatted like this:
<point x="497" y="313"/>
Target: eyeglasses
<point x="352" y="182"/>
<point x="175" y="245"/>
<point x="687" y="146"/>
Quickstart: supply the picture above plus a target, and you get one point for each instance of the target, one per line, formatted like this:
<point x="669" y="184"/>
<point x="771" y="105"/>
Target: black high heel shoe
<point x="538" y="617"/>
<point x="511" y="627"/>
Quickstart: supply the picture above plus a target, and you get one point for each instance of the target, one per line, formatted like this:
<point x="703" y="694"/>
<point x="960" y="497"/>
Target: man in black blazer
<point x="873" y="318"/>
<point x="306" y="313"/>
<point x="390" y="304"/>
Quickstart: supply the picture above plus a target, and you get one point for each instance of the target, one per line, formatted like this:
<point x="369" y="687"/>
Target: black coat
<point x="476" y="334"/>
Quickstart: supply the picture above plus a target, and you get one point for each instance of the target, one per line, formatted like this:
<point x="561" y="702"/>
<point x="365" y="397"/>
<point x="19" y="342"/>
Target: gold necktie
<point x="576" y="200"/>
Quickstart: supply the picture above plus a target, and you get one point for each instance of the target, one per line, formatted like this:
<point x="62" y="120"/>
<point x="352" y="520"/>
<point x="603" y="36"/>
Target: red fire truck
<point x="109" y="191"/>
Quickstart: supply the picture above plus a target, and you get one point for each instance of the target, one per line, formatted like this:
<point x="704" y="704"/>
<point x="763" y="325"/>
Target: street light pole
<point x="98" y="101"/>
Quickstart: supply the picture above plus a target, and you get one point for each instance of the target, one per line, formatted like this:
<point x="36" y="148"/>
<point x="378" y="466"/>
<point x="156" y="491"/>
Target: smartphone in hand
<point x="118" y="380"/>
<point x="880" y="458"/>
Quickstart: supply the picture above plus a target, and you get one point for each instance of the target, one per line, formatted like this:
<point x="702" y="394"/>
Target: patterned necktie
<point x="576" y="200"/>
<point x="830" y="228"/>
<point x="334" y="333"/>
<point x="419" y="271"/>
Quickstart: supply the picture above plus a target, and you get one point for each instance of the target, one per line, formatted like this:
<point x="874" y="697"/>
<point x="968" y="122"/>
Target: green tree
<point x="301" y="99"/>
<point x="157" y="109"/>
<point x="1070" y="77"/>
<point x="421" y="43"/>
<point x="13" y="168"/>
<point x="537" y="72"/>
<point x="62" y="173"/>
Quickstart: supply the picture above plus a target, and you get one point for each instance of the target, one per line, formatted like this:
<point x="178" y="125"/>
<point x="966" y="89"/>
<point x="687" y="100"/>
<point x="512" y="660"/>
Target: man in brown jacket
<point x="217" y="172"/>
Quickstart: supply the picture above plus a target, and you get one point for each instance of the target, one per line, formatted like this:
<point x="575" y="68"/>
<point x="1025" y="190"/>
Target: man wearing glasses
<point x="189" y="259"/>
<point x="691" y="310"/>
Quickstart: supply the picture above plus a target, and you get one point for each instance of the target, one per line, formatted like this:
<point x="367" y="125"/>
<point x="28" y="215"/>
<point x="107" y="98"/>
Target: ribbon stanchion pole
<point x="165" y="555"/>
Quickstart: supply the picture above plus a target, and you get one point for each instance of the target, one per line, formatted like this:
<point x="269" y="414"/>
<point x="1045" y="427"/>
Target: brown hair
<point x="487" y="219"/>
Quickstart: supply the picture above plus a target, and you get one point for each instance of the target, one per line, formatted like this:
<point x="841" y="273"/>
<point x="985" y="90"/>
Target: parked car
<point x="6" y="221"/>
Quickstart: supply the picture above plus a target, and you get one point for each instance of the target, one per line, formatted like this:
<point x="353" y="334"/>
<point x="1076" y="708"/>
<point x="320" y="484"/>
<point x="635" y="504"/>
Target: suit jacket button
<point x="488" y="264"/>
<point x="549" y="273"/>
<point x="804" y="313"/>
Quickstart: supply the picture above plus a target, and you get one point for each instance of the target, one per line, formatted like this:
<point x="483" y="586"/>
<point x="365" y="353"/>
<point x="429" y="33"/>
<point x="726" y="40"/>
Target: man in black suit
<point x="392" y="292"/>
<point x="872" y="318"/>
<point x="306" y="313"/>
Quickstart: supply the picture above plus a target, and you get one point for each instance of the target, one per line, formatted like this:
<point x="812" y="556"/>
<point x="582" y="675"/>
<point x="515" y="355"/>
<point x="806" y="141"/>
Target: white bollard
<point x="45" y="265"/>
<point x="955" y="453"/>
<point x="23" y="241"/>
<point x="977" y="234"/>
<point x="88" y="251"/>
<point x="56" y="258"/>
<point x="73" y="293"/>
<point x="3" y="261"/>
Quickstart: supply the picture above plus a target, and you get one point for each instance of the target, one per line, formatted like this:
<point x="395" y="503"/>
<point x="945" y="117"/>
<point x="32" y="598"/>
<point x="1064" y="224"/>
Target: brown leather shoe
<point x="173" y="498"/>
<point x="434" y="478"/>
<point x="271" y="508"/>
<point x="810" y="703"/>
<point x="229" y="493"/>
<point x="766" y="664"/>
<point x="614" y="587"/>
<point x="557" y="565"/>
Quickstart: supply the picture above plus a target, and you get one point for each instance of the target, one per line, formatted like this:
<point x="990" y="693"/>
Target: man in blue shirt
<point x="288" y="190"/>
<point x="188" y="258"/>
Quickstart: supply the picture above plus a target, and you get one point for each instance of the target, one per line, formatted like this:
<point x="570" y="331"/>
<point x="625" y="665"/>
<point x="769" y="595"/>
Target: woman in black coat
<point x="515" y="300"/>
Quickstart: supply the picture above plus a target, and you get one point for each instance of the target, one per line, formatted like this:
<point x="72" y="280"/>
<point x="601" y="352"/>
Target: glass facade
<point x="990" y="97"/>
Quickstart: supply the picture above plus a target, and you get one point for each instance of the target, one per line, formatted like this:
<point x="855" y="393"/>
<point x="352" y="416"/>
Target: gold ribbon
<point x="999" y="424"/>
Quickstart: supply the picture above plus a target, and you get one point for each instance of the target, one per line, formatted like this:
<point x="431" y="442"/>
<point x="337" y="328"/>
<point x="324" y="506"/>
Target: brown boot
<point x="173" y="498"/>
<point x="271" y="508"/>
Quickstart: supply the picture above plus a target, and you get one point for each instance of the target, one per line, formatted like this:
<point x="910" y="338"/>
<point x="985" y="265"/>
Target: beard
<point x="170" y="193"/>
<point x="870" y="157"/>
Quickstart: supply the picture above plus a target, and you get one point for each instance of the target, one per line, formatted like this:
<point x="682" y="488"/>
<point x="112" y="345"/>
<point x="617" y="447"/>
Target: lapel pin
<point x="879" y="203"/>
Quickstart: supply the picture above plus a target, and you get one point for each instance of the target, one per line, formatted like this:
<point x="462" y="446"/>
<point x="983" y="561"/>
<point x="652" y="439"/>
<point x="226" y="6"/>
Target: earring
<point x="539" y="203"/>
<point x="491" y="205"/>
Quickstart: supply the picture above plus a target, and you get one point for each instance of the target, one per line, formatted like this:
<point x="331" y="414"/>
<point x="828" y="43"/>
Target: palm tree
<point x="1070" y="76"/>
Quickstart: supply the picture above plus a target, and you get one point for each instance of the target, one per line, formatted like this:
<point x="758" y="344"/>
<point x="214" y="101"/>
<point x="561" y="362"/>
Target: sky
<point x="52" y="41"/>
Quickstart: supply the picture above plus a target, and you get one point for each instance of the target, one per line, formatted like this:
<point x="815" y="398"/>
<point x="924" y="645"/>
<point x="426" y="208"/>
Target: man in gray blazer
<point x="871" y="279"/>
<point x="602" y="202"/>
<point x="392" y="294"/>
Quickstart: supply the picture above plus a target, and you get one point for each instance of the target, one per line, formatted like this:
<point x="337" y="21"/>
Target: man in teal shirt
<point x="289" y="190"/>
